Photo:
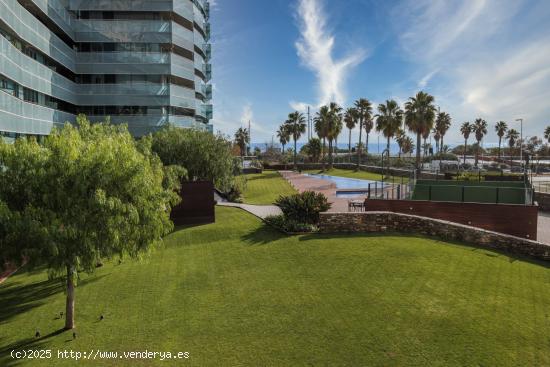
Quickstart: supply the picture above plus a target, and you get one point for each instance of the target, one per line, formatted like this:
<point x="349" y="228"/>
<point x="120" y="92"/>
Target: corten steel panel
<point x="515" y="220"/>
<point x="197" y="205"/>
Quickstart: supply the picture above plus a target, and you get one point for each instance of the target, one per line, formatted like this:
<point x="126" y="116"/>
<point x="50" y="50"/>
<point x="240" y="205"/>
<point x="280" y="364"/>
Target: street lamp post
<point x="520" y="142"/>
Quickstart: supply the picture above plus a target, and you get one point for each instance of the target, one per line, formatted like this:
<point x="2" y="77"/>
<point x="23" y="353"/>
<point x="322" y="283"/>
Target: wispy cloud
<point x="299" y="106"/>
<point x="315" y="49"/>
<point x="491" y="57"/>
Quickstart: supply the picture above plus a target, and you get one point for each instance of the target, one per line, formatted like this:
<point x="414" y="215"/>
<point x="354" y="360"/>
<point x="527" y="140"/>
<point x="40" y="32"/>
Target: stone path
<point x="261" y="211"/>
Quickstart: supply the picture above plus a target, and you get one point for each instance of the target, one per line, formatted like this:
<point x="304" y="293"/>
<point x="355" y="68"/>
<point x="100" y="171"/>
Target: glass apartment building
<point x="141" y="62"/>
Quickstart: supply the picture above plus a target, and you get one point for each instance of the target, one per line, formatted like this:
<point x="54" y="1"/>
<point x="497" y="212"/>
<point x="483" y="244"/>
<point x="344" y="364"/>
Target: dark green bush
<point x="289" y="225"/>
<point x="304" y="207"/>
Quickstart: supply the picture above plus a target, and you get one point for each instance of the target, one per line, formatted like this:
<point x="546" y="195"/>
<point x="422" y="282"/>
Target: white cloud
<point x="492" y="58"/>
<point x="299" y="106"/>
<point x="247" y="115"/>
<point x="315" y="49"/>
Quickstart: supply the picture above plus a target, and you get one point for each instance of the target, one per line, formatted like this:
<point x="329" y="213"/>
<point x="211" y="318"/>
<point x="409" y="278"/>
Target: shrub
<point x="304" y="207"/>
<point x="289" y="225"/>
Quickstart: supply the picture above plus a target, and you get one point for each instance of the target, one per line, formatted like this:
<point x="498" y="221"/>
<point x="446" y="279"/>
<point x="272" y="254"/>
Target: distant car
<point x="516" y="169"/>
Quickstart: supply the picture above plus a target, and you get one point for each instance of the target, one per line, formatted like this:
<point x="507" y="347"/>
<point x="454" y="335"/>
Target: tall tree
<point x="87" y="194"/>
<point x="284" y="136"/>
<point x="296" y="125"/>
<point x="419" y="118"/>
<point x="501" y="127"/>
<point x="512" y="136"/>
<point x="321" y="125"/>
<point x="364" y="113"/>
<point x="480" y="130"/>
<point x="334" y="128"/>
<point x="408" y="145"/>
<point x="350" y="119"/>
<point x="465" y="130"/>
<point x="388" y="121"/>
<point x="442" y="125"/>
<point x="242" y="139"/>
<point x="400" y="138"/>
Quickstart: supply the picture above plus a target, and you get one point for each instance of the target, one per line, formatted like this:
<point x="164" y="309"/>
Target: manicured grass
<point x="358" y="174"/>
<point x="236" y="293"/>
<point x="264" y="188"/>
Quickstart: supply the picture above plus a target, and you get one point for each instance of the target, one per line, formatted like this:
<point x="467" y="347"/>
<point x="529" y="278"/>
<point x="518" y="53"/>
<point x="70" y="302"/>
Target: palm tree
<point x="388" y="121"/>
<point x="408" y="145"/>
<point x="437" y="137"/>
<point x="500" y="128"/>
<point x="334" y="128"/>
<point x="442" y="124"/>
<point x="466" y="130"/>
<point x="350" y="118"/>
<point x="400" y="138"/>
<point x="242" y="138"/>
<point x="419" y="118"/>
<point x="284" y="136"/>
<point x="480" y="129"/>
<point x="512" y="136"/>
<point x="364" y="113"/>
<point x="296" y="125"/>
<point x="321" y="121"/>
<point x="368" y="124"/>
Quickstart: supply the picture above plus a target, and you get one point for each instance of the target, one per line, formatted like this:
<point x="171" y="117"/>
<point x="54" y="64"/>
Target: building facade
<point x="141" y="62"/>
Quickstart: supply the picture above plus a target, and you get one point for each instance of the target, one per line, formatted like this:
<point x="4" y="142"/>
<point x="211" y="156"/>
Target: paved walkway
<point x="261" y="211"/>
<point x="543" y="228"/>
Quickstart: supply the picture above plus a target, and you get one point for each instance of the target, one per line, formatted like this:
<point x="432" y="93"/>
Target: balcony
<point x="206" y="91"/>
<point x="207" y="48"/>
<point x="207" y="71"/>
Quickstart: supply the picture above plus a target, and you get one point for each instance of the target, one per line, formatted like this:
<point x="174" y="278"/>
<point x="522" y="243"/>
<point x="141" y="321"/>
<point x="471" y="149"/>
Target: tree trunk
<point x="465" y="145"/>
<point x="441" y="146"/>
<point x="329" y="154"/>
<point x="295" y="164"/>
<point x="499" y="142"/>
<point x="359" y="150"/>
<point x="349" y="147"/>
<point x="418" y="147"/>
<point x="367" y="143"/>
<point x="477" y="154"/>
<point x="69" y="310"/>
<point x="323" y="153"/>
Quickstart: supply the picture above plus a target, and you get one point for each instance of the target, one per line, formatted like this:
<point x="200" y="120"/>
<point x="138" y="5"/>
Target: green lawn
<point x="356" y="174"/>
<point x="236" y="293"/>
<point x="264" y="188"/>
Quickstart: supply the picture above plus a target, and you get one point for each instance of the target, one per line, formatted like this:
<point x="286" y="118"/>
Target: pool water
<point x="354" y="187"/>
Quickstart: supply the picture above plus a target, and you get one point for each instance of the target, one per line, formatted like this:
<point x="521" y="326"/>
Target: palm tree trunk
<point x="418" y="147"/>
<point x="477" y="154"/>
<point x="329" y="154"/>
<point x="367" y="143"/>
<point x="295" y="163"/>
<point x="465" y="145"/>
<point x="69" y="306"/>
<point x="499" y="141"/>
<point x="441" y="146"/>
<point x="388" y="149"/>
<point x="323" y="153"/>
<point x="359" y="150"/>
<point x="349" y="146"/>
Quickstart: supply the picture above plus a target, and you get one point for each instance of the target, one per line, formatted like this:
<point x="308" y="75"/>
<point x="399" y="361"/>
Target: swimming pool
<point x="350" y="187"/>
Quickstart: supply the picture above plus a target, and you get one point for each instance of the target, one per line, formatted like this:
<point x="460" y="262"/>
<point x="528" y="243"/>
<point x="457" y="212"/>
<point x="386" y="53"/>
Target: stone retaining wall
<point x="379" y="222"/>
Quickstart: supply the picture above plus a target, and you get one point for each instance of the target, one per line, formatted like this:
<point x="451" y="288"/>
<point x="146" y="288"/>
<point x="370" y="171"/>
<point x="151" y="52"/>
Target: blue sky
<point x="479" y="58"/>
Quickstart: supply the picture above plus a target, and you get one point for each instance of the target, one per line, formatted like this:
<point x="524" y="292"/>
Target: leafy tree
<point x="501" y="127"/>
<point x="284" y="136"/>
<point x="480" y="130"/>
<point x="408" y="145"/>
<point x="296" y="125"/>
<point x="242" y="139"/>
<point x="465" y="130"/>
<point x="364" y="113"/>
<point x="205" y="156"/>
<point x="388" y="120"/>
<point x="437" y="138"/>
<point x="400" y="138"/>
<point x="88" y="193"/>
<point x="547" y="134"/>
<point x="312" y="149"/>
<point x="350" y="119"/>
<point x="512" y="136"/>
<point x="419" y="118"/>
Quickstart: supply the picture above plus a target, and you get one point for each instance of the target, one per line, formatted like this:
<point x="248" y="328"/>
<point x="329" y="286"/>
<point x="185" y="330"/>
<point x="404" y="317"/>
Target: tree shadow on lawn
<point x="17" y="298"/>
<point x="26" y="344"/>
<point x="263" y="235"/>
<point x="490" y="252"/>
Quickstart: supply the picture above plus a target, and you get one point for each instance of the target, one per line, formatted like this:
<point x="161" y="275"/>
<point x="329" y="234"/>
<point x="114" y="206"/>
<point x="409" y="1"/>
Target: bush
<point x="289" y="225"/>
<point x="304" y="207"/>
